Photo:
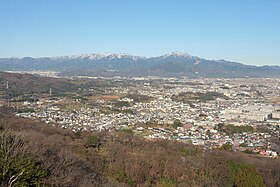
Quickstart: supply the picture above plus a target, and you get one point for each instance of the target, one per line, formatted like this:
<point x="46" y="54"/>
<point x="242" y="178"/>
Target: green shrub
<point x="185" y="152"/>
<point x="241" y="174"/>
<point x="18" y="167"/>
<point x="232" y="129"/>
<point x="122" y="104"/>
<point x="243" y="145"/>
<point x="127" y="131"/>
<point x="177" y="123"/>
<point x="166" y="183"/>
<point x="247" y="151"/>
<point x="77" y="135"/>
<point x="226" y="147"/>
<point x="122" y="177"/>
<point x="93" y="141"/>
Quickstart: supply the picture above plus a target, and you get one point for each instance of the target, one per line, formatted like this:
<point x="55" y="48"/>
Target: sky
<point x="246" y="31"/>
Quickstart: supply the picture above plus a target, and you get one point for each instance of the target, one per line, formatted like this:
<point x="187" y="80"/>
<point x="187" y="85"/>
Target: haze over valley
<point x="176" y="64"/>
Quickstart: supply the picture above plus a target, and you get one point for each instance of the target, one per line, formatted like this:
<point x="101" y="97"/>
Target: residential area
<point x="199" y="111"/>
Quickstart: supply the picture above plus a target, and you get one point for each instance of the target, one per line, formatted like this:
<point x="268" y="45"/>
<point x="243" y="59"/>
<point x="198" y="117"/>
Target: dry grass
<point x="110" y="97"/>
<point x="104" y="97"/>
<point x="275" y="99"/>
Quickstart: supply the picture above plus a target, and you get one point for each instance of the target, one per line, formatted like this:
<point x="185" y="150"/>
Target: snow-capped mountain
<point x="177" y="54"/>
<point x="111" y="64"/>
<point x="100" y="56"/>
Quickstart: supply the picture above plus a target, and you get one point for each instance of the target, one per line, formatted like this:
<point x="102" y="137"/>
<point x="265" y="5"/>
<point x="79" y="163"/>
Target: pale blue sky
<point x="246" y="31"/>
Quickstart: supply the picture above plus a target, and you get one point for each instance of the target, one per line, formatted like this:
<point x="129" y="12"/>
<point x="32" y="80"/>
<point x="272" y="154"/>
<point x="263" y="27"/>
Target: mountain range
<point x="118" y="64"/>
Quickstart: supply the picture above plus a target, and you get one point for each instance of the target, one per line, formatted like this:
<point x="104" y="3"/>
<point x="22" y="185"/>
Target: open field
<point x="104" y="97"/>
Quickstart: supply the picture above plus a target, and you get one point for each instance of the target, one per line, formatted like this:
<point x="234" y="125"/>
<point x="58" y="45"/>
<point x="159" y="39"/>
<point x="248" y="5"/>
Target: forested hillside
<point x="32" y="153"/>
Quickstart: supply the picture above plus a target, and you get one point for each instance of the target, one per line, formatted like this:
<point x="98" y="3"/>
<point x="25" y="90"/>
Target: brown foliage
<point x="123" y="159"/>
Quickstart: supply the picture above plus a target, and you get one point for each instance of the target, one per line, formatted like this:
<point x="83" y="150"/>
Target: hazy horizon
<point x="137" y="56"/>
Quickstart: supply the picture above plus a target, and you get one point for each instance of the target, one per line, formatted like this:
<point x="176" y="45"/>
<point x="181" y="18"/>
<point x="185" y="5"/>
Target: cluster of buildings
<point x="245" y="102"/>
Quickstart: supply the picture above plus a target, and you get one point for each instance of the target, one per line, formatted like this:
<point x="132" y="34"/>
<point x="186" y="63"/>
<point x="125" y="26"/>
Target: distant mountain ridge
<point x="120" y="64"/>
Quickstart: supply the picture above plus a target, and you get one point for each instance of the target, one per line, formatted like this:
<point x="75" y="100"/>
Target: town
<point x="243" y="114"/>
